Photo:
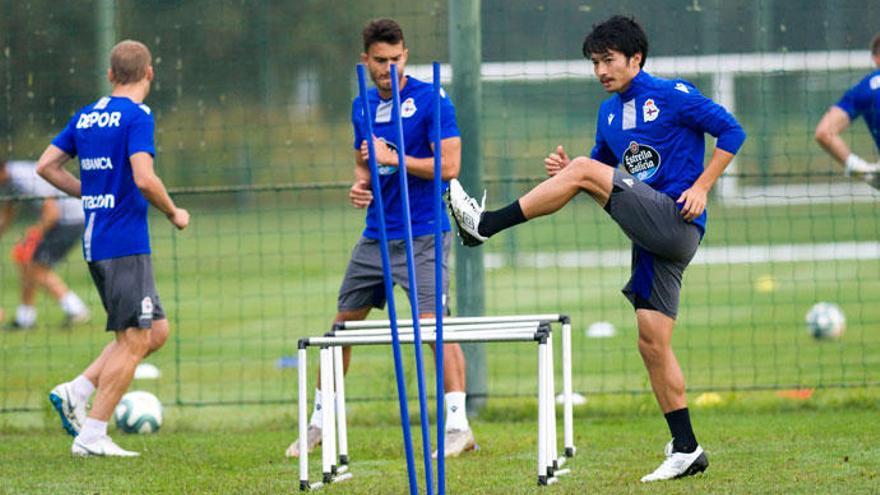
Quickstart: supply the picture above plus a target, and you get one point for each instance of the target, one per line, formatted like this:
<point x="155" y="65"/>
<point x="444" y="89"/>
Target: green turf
<point x="756" y="442"/>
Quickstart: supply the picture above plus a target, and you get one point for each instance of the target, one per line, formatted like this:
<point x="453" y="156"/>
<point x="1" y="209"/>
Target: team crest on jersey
<point x="387" y="169"/>
<point x="641" y="161"/>
<point x="650" y="112"/>
<point x="408" y="108"/>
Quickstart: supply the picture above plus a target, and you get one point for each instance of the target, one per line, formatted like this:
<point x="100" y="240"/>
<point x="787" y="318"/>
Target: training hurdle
<point x="526" y="328"/>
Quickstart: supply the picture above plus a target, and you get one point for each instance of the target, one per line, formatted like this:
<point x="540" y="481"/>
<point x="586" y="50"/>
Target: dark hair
<point x="382" y="31"/>
<point x="619" y="33"/>
<point x="875" y="45"/>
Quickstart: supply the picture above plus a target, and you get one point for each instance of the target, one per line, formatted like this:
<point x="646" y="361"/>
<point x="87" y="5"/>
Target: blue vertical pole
<point x="389" y="285"/>
<point x="438" y="284"/>
<point x="411" y="269"/>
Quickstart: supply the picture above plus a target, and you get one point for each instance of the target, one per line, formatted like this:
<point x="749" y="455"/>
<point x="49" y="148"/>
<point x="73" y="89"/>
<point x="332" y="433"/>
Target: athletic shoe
<point x="100" y="447"/>
<point x="71" y="410"/>
<point x="14" y="325"/>
<point x="313" y="439"/>
<point x="457" y="441"/>
<point x="679" y="465"/>
<point x="76" y="319"/>
<point x="467" y="214"/>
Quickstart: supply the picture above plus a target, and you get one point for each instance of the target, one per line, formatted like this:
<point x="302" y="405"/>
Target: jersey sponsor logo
<point x="100" y="119"/>
<point x="682" y="87"/>
<point x="650" y="111"/>
<point x="387" y="169"/>
<point x="408" y="108"/>
<point x="100" y="163"/>
<point x="99" y="202"/>
<point x="641" y="161"/>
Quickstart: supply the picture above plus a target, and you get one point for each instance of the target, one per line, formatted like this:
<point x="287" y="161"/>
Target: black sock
<point x="495" y="221"/>
<point x="683" y="439"/>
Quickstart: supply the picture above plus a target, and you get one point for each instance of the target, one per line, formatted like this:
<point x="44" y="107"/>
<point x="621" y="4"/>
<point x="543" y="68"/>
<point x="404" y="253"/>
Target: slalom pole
<point x="411" y="269"/>
<point x="389" y="284"/>
<point x="438" y="285"/>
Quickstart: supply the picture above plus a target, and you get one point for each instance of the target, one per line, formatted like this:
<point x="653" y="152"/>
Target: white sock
<point x="82" y="387"/>
<point x="26" y="316"/>
<point x="456" y="415"/>
<point x="71" y="304"/>
<point x="92" y="430"/>
<point x="317" y="415"/>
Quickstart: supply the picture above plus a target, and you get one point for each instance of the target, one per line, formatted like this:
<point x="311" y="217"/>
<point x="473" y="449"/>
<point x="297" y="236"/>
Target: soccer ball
<point x="138" y="412"/>
<point x="825" y="321"/>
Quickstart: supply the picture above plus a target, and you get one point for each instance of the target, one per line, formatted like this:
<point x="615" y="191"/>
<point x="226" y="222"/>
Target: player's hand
<point x="23" y="250"/>
<point x="384" y="154"/>
<point x="694" y="200"/>
<point x="180" y="218"/>
<point x="360" y="194"/>
<point x="556" y="161"/>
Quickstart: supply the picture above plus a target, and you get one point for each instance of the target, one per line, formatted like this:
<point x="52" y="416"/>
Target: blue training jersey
<point x="104" y="135"/>
<point x="655" y="130"/>
<point x="417" y="114"/>
<point x="863" y="100"/>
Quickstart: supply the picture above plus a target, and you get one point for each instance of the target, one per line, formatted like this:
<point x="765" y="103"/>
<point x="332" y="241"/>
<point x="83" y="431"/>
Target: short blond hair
<point x="129" y="61"/>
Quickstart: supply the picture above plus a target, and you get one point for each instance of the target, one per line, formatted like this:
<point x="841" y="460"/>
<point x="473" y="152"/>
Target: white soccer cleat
<point x="679" y="465"/>
<point x="457" y="442"/>
<point x="71" y="410"/>
<point x="467" y="213"/>
<point x="100" y="447"/>
<point x="313" y="439"/>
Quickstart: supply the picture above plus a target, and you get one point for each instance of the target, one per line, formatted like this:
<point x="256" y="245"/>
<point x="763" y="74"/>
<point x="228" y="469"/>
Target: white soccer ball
<point x="138" y="412"/>
<point x="826" y="321"/>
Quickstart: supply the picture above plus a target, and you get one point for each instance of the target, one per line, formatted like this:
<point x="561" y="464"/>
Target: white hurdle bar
<point x="451" y="323"/>
<point x="331" y="361"/>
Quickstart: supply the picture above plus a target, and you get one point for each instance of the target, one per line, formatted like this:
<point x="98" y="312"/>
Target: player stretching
<point x="863" y="99"/>
<point x="113" y="138"/>
<point x="362" y="288"/>
<point x="655" y="128"/>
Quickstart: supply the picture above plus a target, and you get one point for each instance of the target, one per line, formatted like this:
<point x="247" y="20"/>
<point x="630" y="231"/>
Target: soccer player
<point x="113" y="138"/>
<point x="44" y="244"/>
<point x="654" y="128"/>
<point x="363" y="287"/>
<point x="863" y="99"/>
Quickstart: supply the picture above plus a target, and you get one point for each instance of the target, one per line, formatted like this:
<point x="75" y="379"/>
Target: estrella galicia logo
<point x="387" y="169"/>
<point x="641" y="160"/>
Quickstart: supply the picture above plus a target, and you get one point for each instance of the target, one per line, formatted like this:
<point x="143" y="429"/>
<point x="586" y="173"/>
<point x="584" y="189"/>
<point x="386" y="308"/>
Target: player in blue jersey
<point x="862" y="100"/>
<point x="654" y="128"/>
<point x="113" y="139"/>
<point x="362" y="287"/>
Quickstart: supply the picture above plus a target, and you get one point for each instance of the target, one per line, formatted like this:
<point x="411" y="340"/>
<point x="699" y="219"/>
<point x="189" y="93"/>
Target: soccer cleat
<point x="100" y="447"/>
<point x="679" y="465"/>
<point x="313" y="439"/>
<point x="467" y="214"/>
<point x="456" y="442"/>
<point x="71" y="410"/>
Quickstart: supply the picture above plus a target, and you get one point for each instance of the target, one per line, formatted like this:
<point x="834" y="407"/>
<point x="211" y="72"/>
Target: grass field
<point x="255" y="273"/>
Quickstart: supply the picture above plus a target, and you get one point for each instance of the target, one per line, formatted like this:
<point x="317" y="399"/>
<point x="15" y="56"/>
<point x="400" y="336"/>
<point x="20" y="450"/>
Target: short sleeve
<point x="448" y="124"/>
<point x="66" y="139"/>
<point x="855" y="101"/>
<point x="357" y="122"/>
<point x="140" y="135"/>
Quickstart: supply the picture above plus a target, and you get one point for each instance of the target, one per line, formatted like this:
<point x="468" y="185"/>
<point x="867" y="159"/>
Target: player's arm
<point x="450" y="159"/>
<point x="360" y="194"/>
<point x="50" y="166"/>
<point x="49" y="215"/>
<point x="154" y="191"/>
<point x="696" y="196"/>
<point x="7" y="215"/>
<point x="828" y="132"/>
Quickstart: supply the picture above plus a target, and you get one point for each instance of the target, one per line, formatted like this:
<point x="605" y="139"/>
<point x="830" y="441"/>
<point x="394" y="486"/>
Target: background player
<point x="113" y="138"/>
<point x="45" y="243"/>
<point x="863" y="100"/>
<point x="655" y="129"/>
<point x="363" y="287"/>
